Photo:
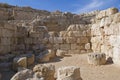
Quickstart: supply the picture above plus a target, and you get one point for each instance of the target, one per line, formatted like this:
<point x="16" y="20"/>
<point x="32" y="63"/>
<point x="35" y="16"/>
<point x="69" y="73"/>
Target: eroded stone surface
<point x="96" y="58"/>
<point x="68" y="73"/>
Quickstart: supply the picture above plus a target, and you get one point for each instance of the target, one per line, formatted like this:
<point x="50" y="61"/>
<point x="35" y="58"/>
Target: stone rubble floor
<point x="88" y="72"/>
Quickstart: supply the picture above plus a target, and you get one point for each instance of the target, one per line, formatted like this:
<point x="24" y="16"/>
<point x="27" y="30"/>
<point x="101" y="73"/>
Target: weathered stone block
<point x="70" y="39"/>
<point x="58" y="40"/>
<point x="97" y="59"/>
<point x="61" y="52"/>
<point x="75" y="47"/>
<point x="45" y="71"/>
<point x="87" y="46"/>
<point x="68" y="73"/>
<point x="65" y="46"/>
<point x="19" y="62"/>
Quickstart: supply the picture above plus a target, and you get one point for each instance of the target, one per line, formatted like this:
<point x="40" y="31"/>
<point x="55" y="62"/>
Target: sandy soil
<point x="89" y="72"/>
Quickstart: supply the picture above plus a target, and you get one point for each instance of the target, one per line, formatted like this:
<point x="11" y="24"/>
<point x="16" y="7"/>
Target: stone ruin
<point x="105" y="34"/>
<point x="35" y="41"/>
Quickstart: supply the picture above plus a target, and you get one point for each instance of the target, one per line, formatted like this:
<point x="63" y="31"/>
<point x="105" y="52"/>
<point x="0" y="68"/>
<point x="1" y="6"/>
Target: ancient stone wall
<point x="7" y="37"/>
<point x="106" y="33"/>
<point x="75" y="40"/>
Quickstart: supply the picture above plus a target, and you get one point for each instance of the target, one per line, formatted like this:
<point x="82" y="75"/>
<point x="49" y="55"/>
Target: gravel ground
<point x="89" y="72"/>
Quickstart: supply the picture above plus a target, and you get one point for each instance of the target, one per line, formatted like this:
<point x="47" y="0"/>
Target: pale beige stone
<point x="65" y="46"/>
<point x="116" y="54"/>
<point x="73" y="51"/>
<point x="70" y="39"/>
<point x="19" y="62"/>
<point x="87" y="46"/>
<point x="58" y="40"/>
<point x="75" y="47"/>
<point x="61" y="52"/>
<point x="97" y="58"/>
<point x="45" y="71"/>
<point x="68" y="73"/>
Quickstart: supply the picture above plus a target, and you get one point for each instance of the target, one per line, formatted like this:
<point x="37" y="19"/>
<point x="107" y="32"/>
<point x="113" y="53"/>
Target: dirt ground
<point x="88" y="72"/>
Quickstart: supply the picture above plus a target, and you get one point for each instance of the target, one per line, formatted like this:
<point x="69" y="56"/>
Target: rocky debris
<point x="68" y="73"/>
<point x="23" y="75"/>
<point x="30" y="58"/>
<point x="19" y="62"/>
<point x="44" y="71"/>
<point x="97" y="58"/>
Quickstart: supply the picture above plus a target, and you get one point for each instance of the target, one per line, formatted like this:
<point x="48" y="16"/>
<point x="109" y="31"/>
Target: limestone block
<point x="70" y="34"/>
<point x="65" y="46"/>
<point x="73" y="28"/>
<point x="52" y="53"/>
<point x="84" y="40"/>
<point x="73" y="51"/>
<point x="22" y="75"/>
<point x="75" y="46"/>
<point x="44" y="56"/>
<point x="45" y="71"/>
<point x="116" y="18"/>
<point x="116" y="54"/>
<point x="62" y="33"/>
<point x="114" y="40"/>
<point x="30" y="58"/>
<point x="70" y="39"/>
<point x="37" y="35"/>
<point x="58" y="40"/>
<point x="87" y="46"/>
<point x="95" y="30"/>
<point x="53" y="34"/>
<point x="77" y="33"/>
<point x="61" y="52"/>
<point x="108" y="50"/>
<point x="83" y="51"/>
<point x="20" y="47"/>
<point x="78" y="40"/>
<point x="97" y="58"/>
<point x="111" y="11"/>
<point x="51" y="39"/>
<point x="45" y="40"/>
<point x="88" y="32"/>
<point x="19" y="62"/>
<point x="28" y="40"/>
<point x="56" y="46"/>
<point x="68" y="73"/>
<point x="101" y="14"/>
